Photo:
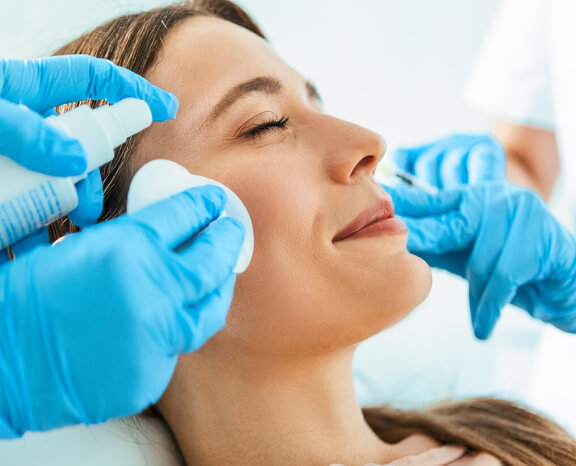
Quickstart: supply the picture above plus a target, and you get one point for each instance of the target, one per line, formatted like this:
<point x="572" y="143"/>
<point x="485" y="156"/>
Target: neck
<point x="238" y="411"/>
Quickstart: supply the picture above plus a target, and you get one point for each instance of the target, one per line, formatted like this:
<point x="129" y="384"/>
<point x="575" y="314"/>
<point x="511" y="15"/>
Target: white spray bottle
<point x="30" y="200"/>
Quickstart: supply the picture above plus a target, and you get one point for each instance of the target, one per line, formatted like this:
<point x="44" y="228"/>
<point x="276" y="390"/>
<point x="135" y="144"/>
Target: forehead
<point x="203" y="57"/>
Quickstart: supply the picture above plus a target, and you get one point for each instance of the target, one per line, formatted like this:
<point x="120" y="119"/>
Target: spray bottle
<point x="30" y="200"/>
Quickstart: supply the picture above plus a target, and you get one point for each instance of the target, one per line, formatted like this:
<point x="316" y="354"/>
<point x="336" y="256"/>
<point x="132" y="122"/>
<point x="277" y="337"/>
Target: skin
<point x="532" y="156"/>
<point x="275" y="386"/>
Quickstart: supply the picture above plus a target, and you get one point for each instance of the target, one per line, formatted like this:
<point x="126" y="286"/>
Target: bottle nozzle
<point x="124" y="119"/>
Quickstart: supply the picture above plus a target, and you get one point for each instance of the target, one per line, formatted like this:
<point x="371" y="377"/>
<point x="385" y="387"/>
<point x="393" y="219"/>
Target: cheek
<point x="282" y="265"/>
<point x="300" y="294"/>
<point x="382" y="285"/>
<point x="273" y="296"/>
<point x="300" y="297"/>
<point x="311" y="303"/>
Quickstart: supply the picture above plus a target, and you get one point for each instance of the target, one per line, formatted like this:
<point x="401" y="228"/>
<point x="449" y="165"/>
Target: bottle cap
<point x="124" y="119"/>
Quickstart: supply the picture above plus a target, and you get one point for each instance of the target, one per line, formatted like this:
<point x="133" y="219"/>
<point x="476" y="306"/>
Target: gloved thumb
<point x="487" y="302"/>
<point x="32" y="142"/>
<point x="202" y="320"/>
<point x="453" y="262"/>
<point x="90" y="200"/>
<point x="413" y="202"/>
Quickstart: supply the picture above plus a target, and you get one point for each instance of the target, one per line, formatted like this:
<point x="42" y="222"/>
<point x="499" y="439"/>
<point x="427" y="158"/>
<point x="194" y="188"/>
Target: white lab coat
<point x="526" y="74"/>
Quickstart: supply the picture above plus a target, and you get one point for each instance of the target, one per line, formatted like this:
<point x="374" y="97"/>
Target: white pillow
<point x="139" y="441"/>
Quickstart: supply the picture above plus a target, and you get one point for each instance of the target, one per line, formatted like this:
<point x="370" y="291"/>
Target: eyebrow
<point x="265" y="84"/>
<point x="313" y="92"/>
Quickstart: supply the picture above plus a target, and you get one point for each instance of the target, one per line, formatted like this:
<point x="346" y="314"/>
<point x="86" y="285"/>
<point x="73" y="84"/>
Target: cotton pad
<point x="160" y="179"/>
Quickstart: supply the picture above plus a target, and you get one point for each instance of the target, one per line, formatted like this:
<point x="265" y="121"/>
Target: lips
<point x="377" y="219"/>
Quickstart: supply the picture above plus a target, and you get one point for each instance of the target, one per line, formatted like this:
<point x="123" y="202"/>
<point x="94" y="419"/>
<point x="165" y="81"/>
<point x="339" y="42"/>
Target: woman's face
<point x="251" y="122"/>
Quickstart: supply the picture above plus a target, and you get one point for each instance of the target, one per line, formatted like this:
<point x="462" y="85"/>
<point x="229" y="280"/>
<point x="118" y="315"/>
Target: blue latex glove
<point x="504" y="241"/>
<point x="91" y="328"/>
<point x="45" y="83"/>
<point x="455" y="160"/>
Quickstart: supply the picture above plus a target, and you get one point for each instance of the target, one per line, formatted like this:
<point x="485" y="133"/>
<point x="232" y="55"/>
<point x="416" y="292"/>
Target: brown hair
<point x="134" y="42"/>
<point x="512" y="433"/>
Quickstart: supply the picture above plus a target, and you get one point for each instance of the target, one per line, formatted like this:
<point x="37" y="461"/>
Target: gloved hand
<point x="91" y="328"/>
<point x="45" y="83"/>
<point x="454" y="160"/>
<point x="504" y="241"/>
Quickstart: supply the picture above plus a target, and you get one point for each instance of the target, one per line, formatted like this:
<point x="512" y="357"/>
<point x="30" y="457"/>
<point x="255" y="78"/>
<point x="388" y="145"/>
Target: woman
<point x="275" y="386"/>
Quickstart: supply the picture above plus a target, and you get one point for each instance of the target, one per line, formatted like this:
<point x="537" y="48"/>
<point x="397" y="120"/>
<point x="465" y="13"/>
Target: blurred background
<point x="392" y="65"/>
<point x="398" y="67"/>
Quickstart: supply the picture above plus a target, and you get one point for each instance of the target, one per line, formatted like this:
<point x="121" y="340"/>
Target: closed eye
<point x="256" y="132"/>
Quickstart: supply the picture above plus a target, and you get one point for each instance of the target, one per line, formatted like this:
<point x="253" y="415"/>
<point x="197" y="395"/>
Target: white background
<point x="396" y="66"/>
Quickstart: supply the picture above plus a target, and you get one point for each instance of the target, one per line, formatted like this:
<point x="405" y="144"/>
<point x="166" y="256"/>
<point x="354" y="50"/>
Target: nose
<point x="353" y="152"/>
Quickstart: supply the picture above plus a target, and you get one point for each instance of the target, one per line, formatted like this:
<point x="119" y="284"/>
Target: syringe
<point x="387" y="172"/>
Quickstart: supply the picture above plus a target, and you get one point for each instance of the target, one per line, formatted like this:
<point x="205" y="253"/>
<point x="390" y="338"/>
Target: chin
<point x="416" y="284"/>
<point x="405" y="290"/>
<point x="422" y="279"/>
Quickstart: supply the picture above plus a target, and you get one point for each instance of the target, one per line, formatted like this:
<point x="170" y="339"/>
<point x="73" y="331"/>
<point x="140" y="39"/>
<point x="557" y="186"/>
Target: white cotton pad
<point x="160" y="179"/>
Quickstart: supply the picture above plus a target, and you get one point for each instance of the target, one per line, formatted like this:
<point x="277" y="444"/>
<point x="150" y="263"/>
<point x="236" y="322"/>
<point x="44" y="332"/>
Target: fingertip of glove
<point x="205" y="202"/>
<point x="67" y="157"/>
<point x="398" y="154"/>
<point x="214" y="194"/>
<point x="70" y="165"/>
<point x="86" y="215"/>
<point x="483" y="327"/>
<point x="90" y="200"/>
<point x="234" y="223"/>
<point x="172" y="105"/>
<point x="165" y="106"/>
<point x="482" y="334"/>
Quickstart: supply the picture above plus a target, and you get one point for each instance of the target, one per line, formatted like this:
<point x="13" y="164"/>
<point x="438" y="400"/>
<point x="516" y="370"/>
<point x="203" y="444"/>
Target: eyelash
<point x="258" y="131"/>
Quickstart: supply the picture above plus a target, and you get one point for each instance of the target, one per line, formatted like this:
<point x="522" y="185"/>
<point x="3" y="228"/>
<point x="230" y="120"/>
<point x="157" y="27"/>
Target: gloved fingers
<point x="90" y="200"/>
<point x="200" y="321"/>
<point x="563" y="319"/>
<point x="210" y="257"/>
<point x="50" y="112"/>
<point x="427" y="167"/>
<point x="47" y="82"/>
<point x="439" y="234"/>
<point x="29" y="140"/>
<point x="488" y="300"/>
<point x="453" y="169"/>
<point x="414" y="202"/>
<point x="181" y="216"/>
<point x="33" y="240"/>
<point x="435" y="222"/>
<point x="453" y="262"/>
<point x="423" y="160"/>
<point x="4" y="256"/>
<point x="405" y="157"/>
<point x="486" y="162"/>
<point x="485" y="321"/>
